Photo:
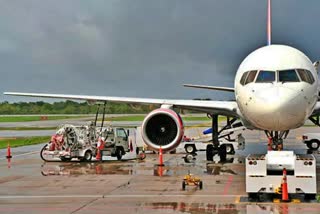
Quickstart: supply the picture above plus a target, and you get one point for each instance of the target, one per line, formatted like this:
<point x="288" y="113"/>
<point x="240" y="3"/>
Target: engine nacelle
<point x="162" y="127"/>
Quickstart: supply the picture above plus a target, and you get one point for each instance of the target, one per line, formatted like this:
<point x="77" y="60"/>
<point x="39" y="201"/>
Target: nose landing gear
<point x="275" y="139"/>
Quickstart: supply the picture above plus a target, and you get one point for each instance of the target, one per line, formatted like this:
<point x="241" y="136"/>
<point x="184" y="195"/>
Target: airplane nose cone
<point x="277" y="108"/>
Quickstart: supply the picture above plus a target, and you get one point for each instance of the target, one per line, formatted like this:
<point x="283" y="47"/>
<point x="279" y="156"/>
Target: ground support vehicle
<point x="84" y="142"/>
<point x="115" y="142"/>
<point x="71" y="142"/>
<point x="194" y="146"/>
<point x="312" y="140"/>
<point x="191" y="180"/>
<point x="264" y="175"/>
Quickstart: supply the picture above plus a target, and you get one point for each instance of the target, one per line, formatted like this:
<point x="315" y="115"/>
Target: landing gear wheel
<point x="200" y="185"/>
<point x="223" y="152"/>
<point x="190" y="149"/>
<point x="137" y="150"/>
<point x="209" y="152"/>
<point x="183" y="185"/>
<point x="274" y="147"/>
<point x="313" y="144"/>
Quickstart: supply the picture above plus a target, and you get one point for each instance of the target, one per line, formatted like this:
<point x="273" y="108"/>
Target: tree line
<point x="70" y="107"/>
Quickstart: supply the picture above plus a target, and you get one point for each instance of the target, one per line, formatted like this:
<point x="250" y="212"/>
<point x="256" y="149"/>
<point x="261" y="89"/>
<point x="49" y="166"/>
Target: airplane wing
<point x="227" y="108"/>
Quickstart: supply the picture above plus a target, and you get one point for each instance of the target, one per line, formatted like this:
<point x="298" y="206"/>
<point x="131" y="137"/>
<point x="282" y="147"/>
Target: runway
<point x="29" y="185"/>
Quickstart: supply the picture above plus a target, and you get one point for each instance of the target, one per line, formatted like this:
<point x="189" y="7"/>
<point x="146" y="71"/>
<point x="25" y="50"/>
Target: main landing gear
<point x="276" y="139"/>
<point x="215" y="147"/>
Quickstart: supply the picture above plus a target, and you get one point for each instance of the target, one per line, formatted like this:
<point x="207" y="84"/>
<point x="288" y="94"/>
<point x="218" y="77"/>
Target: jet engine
<point x="162" y="127"/>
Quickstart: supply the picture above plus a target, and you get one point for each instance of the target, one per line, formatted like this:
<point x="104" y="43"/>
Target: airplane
<point x="275" y="87"/>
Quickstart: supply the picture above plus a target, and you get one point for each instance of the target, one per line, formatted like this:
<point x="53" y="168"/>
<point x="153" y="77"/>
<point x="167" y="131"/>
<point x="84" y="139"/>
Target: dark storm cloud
<point x="144" y="48"/>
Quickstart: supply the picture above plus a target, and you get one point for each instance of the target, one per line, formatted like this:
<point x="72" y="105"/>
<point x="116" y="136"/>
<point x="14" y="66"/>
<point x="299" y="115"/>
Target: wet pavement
<point x="29" y="185"/>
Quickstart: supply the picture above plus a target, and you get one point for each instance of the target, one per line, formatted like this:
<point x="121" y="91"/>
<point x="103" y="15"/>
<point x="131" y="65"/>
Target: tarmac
<point x="29" y="185"/>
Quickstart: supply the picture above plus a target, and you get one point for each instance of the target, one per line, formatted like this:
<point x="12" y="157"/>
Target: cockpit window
<point x="266" y="76"/>
<point x="243" y="78"/>
<point x="251" y="77"/>
<point x="288" y="76"/>
<point x="306" y="76"/>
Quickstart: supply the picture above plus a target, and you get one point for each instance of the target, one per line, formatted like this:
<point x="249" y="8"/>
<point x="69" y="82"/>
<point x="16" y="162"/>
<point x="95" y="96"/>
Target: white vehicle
<point x="191" y="147"/>
<point x="264" y="174"/>
<point x="71" y="142"/>
<point x="312" y="140"/>
<point x="275" y="89"/>
<point x="81" y="142"/>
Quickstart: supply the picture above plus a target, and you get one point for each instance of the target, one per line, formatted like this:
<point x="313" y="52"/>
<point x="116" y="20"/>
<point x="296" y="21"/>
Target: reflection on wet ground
<point x="197" y="208"/>
<point x="193" y="208"/>
<point x="138" y="168"/>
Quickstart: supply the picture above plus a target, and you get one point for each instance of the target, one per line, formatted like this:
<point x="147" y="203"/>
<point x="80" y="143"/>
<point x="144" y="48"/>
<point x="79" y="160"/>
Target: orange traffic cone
<point x="160" y="171"/>
<point x="160" y="157"/>
<point x="285" y="196"/>
<point x="98" y="156"/>
<point x="9" y="151"/>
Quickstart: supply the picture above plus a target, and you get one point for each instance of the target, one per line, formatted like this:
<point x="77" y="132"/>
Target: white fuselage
<point x="278" y="99"/>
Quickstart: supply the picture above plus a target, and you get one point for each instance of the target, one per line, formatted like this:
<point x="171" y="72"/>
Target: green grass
<point x="26" y="128"/>
<point x="126" y="118"/>
<point x="34" y="118"/>
<point x="22" y="141"/>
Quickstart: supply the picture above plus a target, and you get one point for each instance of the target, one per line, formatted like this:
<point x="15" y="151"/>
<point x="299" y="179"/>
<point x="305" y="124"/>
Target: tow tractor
<point x="84" y="142"/>
<point x="265" y="174"/>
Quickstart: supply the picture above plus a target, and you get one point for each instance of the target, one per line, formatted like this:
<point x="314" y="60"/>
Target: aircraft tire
<point x="223" y="152"/>
<point x="209" y="152"/>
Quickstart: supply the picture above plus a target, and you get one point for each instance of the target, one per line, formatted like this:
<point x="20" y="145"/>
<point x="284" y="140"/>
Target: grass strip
<point x="23" y="141"/>
<point x="35" y="118"/>
<point x="26" y="128"/>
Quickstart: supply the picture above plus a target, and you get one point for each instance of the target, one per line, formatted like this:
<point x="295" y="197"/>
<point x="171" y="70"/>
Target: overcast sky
<point x="142" y="48"/>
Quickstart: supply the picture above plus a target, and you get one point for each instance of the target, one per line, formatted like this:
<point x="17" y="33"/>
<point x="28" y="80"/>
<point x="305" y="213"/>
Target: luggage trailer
<point x="264" y="174"/>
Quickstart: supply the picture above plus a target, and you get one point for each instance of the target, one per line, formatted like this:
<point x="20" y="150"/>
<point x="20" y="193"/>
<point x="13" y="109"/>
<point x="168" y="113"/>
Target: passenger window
<point x="251" y="77"/>
<point x="288" y="76"/>
<point x="266" y="76"/>
<point x="243" y="78"/>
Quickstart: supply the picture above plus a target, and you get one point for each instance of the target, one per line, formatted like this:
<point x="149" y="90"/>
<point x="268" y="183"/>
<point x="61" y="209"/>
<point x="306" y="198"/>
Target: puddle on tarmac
<point x="197" y="208"/>
<point x="193" y="208"/>
<point x="49" y="169"/>
<point x="76" y="169"/>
